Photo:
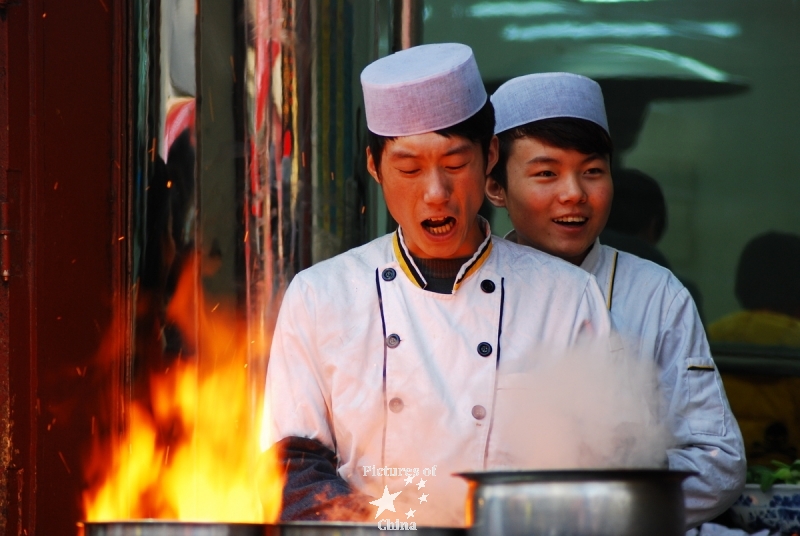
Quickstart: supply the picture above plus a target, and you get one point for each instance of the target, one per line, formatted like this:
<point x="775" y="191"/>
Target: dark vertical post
<point x="407" y="24"/>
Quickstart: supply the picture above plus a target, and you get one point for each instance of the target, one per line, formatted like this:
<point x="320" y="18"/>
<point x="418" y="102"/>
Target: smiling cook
<point x="554" y="178"/>
<point x="388" y="355"/>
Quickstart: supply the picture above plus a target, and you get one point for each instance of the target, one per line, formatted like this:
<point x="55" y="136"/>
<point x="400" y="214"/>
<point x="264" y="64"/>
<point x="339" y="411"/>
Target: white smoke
<point x="587" y="408"/>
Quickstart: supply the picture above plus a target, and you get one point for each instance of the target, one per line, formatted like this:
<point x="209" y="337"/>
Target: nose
<point x="573" y="191"/>
<point x="437" y="188"/>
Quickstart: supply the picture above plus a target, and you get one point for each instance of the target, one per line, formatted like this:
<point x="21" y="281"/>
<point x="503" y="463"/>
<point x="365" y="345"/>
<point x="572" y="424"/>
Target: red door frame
<point x="64" y="169"/>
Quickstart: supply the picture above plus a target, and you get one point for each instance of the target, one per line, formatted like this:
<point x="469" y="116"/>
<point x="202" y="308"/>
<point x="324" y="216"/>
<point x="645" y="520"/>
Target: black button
<point x="485" y="349"/>
<point x="487" y="285"/>
<point x="393" y="341"/>
<point x="388" y="274"/>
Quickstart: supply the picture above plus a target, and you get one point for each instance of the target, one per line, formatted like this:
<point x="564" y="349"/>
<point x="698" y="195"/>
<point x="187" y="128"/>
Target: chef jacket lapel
<point x="602" y="264"/>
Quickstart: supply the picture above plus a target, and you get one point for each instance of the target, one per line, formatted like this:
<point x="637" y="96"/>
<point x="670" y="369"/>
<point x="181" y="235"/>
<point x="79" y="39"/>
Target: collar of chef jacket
<point x="592" y="258"/>
<point x="592" y="264"/>
<point x="413" y="272"/>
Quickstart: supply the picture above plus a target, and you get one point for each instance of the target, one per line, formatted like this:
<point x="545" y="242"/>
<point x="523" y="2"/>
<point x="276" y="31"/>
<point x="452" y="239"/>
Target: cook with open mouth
<point x="385" y="359"/>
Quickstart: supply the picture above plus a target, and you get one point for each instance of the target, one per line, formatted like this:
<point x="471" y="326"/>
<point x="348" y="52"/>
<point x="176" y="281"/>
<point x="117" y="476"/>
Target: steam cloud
<point x="587" y="409"/>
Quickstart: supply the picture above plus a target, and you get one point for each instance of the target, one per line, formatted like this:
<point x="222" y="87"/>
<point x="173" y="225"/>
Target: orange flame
<point x="192" y="451"/>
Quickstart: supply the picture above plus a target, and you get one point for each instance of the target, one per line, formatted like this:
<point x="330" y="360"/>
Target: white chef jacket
<point x="657" y="319"/>
<point x="388" y="374"/>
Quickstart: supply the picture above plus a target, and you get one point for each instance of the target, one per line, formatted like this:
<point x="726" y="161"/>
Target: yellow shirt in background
<point x="766" y="407"/>
<point x="757" y="327"/>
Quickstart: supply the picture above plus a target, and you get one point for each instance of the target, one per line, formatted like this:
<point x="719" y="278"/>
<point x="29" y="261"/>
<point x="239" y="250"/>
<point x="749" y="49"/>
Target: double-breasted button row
<point x="396" y="405"/>
<point x="484" y="348"/>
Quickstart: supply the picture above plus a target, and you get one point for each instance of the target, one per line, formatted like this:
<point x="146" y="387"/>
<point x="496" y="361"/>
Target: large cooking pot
<point x="155" y="527"/>
<point x="349" y="529"/>
<point x="176" y="528"/>
<point x="576" y="503"/>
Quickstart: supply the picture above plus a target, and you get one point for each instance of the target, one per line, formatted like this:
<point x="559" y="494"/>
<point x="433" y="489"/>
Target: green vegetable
<point x="766" y="477"/>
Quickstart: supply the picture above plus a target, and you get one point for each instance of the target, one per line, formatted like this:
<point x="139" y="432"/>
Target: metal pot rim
<point x="354" y="525"/>
<point x="298" y="524"/>
<point x="572" y="475"/>
<point x="169" y="522"/>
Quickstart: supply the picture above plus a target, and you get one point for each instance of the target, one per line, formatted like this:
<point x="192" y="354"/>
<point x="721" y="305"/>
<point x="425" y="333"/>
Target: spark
<point x="64" y="461"/>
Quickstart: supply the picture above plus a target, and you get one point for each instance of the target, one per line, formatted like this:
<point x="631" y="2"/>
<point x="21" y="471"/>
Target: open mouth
<point x="439" y="226"/>
<point x="571" y="221"/>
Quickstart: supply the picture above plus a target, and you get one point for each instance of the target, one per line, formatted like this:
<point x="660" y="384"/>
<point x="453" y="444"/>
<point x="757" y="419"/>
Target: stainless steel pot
<point x="576" y="503"/>
<point x="350" y="529"/>
<point x="168" y="528"/>
<point x="177" y="528"/>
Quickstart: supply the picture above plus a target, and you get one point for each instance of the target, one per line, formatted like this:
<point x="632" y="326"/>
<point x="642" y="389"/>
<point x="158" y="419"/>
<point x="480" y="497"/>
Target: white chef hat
<point x="539" y="96"/>
<point x="422" y="89"/>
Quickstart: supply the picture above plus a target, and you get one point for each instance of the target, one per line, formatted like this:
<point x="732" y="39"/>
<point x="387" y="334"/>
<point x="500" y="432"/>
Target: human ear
<point x="371" y="167"/>
<point x="495" y="193"/>
<point x="492" y="155"/>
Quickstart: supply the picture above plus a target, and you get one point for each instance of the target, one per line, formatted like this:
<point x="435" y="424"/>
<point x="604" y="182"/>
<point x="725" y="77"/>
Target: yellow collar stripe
<point x="476" y="264"/>
<point x="411" y="271"/>
<point x="405" y="263"/>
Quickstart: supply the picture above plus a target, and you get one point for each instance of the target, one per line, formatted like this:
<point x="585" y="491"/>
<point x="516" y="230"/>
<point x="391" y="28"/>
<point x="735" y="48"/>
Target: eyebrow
<point x="458" y="149"/>
<point x="542" y="160"/>
<point x="550" y="159"/>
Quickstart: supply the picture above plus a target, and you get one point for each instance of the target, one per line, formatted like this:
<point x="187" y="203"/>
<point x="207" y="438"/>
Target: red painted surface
<point x="65" y="186"/>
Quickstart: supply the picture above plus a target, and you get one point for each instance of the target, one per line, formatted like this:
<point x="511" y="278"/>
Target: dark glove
<point x="314" y="491"/>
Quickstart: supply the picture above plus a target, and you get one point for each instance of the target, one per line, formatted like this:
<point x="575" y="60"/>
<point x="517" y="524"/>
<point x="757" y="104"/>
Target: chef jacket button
<point x="389" y="274"/>
<point x="396" y="405"/>
<point x="484" y="349"/>
<point x="487" y="285"/>
<point x="479" y="412"/>
<point x="393" y="341"/>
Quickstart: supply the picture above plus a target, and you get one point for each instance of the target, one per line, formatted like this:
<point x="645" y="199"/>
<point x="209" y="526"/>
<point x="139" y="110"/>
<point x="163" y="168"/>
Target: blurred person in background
<point x="768" y="289"/>
<point x="638" y="217"/>
<point x="638" y="221"/>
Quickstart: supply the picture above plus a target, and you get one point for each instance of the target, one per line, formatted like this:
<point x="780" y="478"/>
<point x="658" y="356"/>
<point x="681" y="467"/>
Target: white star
<point x="422" y="499"/>
<point x="420" y="484"/>
<point x="409" y="480"/>
<point x="410" y="513"/>
<point x="386" y="502"/>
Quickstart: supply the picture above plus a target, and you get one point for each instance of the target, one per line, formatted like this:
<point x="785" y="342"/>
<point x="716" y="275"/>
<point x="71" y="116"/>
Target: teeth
<point x="442" y="229"/>
<point x="439" y="226"/>
<point x="571" y="219"/>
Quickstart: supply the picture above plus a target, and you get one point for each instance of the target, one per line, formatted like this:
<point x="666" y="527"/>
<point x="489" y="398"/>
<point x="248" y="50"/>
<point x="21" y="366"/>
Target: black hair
<point x="638" y="205"/>
<point x="767" y="275"/>
<point x="478" y="128"/>
<point x="580" y="135"/>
